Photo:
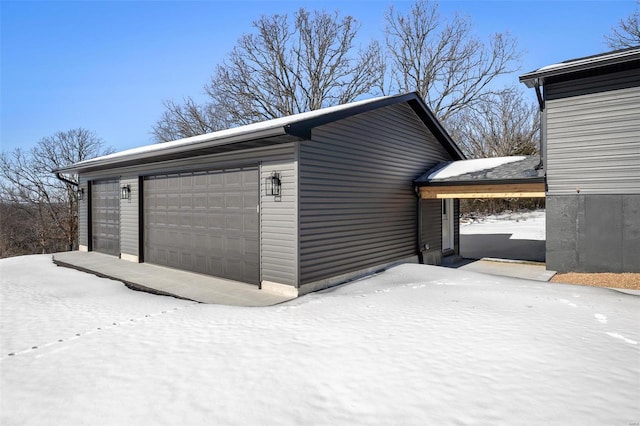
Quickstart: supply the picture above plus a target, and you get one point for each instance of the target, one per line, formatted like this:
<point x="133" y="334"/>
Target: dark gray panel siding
<point x="596" y="233"/>
<point x="561" y="236"/>
<point x="83" y="214"/>
<point x="631" y="233"/>
<point x="357" y="204"/>
<point x="129" y="229"/>
<point x="593" y="139"/>
<point x="431" y="231"/>
<point x="595" y="84"/>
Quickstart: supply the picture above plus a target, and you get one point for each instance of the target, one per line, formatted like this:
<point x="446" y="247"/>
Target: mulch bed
<point x="630" y="281"/>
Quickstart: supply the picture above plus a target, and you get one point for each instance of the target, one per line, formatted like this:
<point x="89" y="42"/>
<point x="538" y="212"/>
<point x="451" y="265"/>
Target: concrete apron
<point x="169" y="282"/>
<point x="510" y="268"/>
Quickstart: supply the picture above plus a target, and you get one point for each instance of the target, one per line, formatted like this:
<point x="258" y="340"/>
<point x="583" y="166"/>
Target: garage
<point x="105" y="216"/>
<point x="206" y="222"/>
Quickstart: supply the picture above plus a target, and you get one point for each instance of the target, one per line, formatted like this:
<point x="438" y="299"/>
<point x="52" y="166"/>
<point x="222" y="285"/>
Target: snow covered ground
<point x="510" y="235"/>
<point x="414" y="345"/>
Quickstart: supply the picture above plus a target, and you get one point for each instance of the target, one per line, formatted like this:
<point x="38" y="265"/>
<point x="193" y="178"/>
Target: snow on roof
<point x="581" y="64"/>
<point x="462" y="167"/>
<point x="273" y="124"/>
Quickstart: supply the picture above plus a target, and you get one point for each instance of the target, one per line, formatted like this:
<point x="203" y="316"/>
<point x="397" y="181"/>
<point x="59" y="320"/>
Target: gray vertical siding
<point x="431" y="231"/>
<point x="83" y="213"/>
<point x="129" y="229"/>
<point x="593" y="135"/>
<point x="357" y="204"/>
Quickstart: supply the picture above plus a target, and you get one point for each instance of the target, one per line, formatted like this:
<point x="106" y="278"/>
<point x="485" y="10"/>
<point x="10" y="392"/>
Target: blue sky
<point x="107" y="66"/>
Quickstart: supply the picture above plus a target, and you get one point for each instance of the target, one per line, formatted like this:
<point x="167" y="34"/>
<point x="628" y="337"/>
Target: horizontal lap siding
<point x="593" y="139"/>
<point x="357" y="204"/>
<point x="129" y="223"/>
<point x="279" y="221"/>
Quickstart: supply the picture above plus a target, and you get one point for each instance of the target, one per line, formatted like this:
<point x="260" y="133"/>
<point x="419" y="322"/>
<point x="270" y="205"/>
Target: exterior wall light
<point x="273" y="184"/>
<point x="80" y="193"/>
<point x="125" y="192"/>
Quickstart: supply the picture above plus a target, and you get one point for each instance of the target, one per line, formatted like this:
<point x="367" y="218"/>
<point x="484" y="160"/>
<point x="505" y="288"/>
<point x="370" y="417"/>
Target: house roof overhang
<point x="504" y="177"/>
<point x="280" y="130"/>
<point x="603" y="63"/>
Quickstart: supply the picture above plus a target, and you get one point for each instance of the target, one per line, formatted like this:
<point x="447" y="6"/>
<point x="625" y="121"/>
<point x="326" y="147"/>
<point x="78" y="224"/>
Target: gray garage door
<point x="204" y="222"/>
<point x="105" y="216"/>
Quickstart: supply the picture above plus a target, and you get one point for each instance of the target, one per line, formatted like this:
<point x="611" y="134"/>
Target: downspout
<point x="67" y="181"/>
<point x="541" y="107"/>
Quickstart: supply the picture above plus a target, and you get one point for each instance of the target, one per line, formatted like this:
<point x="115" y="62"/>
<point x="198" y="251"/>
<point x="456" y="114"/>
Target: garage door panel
<point x="252" y="247"/>
<point x="251" y="224"/>
<point x="216" y="201"/>
<point x="234" y="223"/>
<point x="214" y="224"/>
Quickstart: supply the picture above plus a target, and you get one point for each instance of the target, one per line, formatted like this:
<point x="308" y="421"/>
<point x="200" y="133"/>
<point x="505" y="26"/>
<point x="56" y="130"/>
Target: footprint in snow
<point x="621" y="337"/>
<point x="573" y="305"/>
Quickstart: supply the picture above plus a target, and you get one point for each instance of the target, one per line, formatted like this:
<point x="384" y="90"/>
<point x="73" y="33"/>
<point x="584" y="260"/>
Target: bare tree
<point x="504" y="124"/>
<point x="287" y="68"/>
<point x="27" y="183"/>
<point x="627" y="33"/>
<point x="442" y="59"/>
<point x="188" y="119"/>
<point x="282" y="68"/>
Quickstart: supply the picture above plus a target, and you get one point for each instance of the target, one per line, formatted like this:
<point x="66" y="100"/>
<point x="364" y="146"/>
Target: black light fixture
<point x="80" y="193"/>
<point x="273" y="184"/>
<point x="125" y="192"/>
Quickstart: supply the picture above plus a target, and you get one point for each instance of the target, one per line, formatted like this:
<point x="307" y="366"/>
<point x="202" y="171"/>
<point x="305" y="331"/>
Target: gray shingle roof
<point x="280" y="130"/>
<point x="528" y="169"/>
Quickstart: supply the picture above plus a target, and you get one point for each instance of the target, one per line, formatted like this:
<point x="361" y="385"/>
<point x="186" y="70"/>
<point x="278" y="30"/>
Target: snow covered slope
<point x="414" y="345"/>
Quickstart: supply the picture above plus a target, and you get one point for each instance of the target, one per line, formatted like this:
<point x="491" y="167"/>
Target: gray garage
<point x="292" y="205"/>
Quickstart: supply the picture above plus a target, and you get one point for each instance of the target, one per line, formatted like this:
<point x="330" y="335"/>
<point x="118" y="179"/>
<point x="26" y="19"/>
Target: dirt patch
<point x="625" y="280"/>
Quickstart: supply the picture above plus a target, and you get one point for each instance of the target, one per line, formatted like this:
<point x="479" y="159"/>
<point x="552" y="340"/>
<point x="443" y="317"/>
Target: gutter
<point x="537" y="179"/>
<point x="65" y="180"/>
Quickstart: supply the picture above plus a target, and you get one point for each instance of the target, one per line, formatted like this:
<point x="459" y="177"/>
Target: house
<point x="591" y="154"/>
<point x="292" y="205"/>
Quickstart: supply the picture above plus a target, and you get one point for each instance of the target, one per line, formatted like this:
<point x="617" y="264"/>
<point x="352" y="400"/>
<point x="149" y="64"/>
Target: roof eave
<point x="537" y="179"/>
<point x="540" y="75"/>
<point x="151" y="156"/>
